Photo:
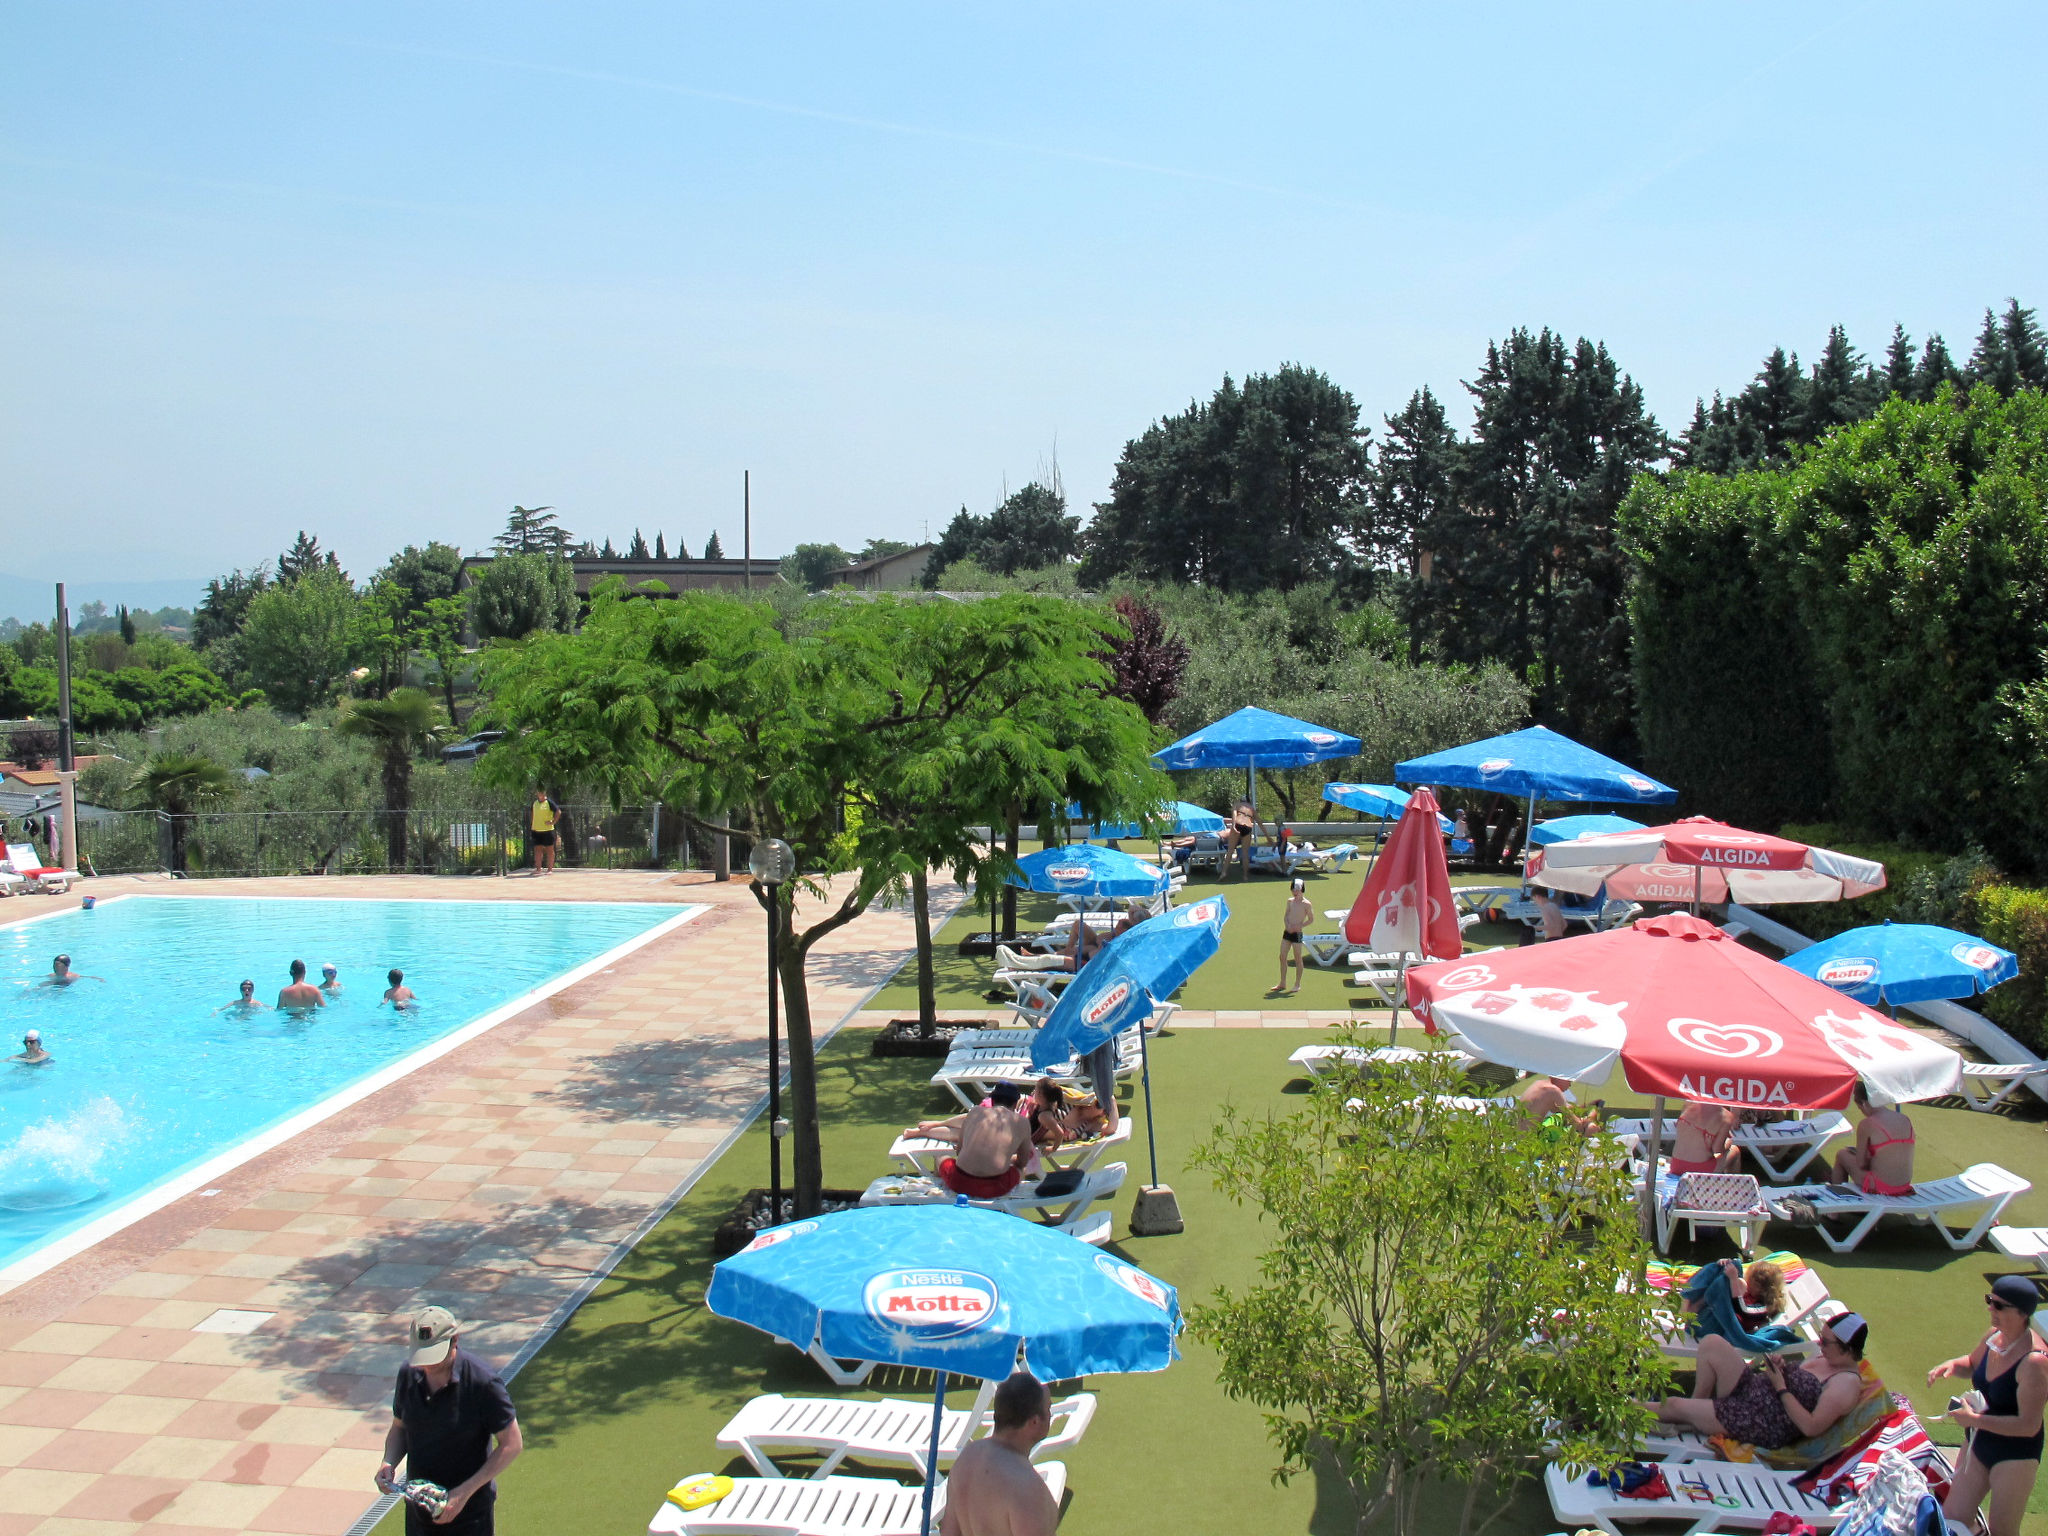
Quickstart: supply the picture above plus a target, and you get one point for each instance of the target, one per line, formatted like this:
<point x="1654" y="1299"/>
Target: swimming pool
<point x="151" y="1084"/>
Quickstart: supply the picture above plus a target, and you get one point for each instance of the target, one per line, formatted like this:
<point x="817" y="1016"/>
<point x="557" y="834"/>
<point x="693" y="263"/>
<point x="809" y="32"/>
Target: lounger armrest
<point x="1071" y="1417"/>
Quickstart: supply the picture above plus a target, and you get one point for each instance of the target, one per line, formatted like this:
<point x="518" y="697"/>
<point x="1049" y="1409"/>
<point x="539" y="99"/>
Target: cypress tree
<point x="2025" y="346"/>
<point x="1773" y="408"/>
<point x="608" y="553"/>
<point x="637" y="550"/>
<point x="1991" y="362"/>
<point x="1934" y="369"/>
<point x="1898" y="364"/>
<point x="713" y="550"/>
<point x="660" y="546"/>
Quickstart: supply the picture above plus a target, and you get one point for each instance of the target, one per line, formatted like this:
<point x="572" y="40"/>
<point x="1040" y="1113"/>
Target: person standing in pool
<point x="32" y="1052"/>
<point x="541" y="819"/>
<point x="398" y="994"/>
<point x="61" y="974"/>
<point x="330" y="979"/>
<point x="246" y="1003"/>
<point x="301" y="996"/>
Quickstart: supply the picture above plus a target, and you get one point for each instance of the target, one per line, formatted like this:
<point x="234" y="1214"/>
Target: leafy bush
<point x="1910" y="876"/>
<point x="2016" y="918"/>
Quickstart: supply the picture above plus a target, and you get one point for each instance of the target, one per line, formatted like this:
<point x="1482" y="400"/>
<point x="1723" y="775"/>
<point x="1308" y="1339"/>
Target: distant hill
<point x="29" y="600"/>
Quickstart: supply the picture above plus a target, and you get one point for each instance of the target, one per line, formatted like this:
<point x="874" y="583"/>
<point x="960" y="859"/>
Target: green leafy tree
<point x="1263" y="485"/>
<point x="1524" y="567"/>
<point x="1412" y="489"/>
<point x="439" y="638"/>
<point x="519" y="595"/>
<point x="296" y="638"/>
<point x="723" y="709"/>
<point x="1439" y="1301"/>
<point x="713" y="550"/>
<point x="220" y="613"/>
<point x="1843" y="389"/>
<point x="532" y="531"/>
<point x="811" y="567"/>
<point x="399" y="728"/>
<point x="424" y="574"/>
<point x="876" y="549"/>
<point x="126" y="626"/>
<point x="304" y="557"/>
<point x="180" y="785"/>
<point x="1934" y="369"/>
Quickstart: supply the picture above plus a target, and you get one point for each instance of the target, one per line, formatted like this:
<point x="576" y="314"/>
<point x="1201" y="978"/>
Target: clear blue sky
<point x="381" y="271"/>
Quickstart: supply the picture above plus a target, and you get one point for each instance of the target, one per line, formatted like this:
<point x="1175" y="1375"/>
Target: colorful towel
<point x="1714" y="1311"/>
<point x="1848" y="1474"/>
<point x="1666" y="1276"/>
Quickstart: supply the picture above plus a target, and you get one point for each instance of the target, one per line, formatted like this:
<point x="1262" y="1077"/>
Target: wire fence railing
<point x="434" y="842"/>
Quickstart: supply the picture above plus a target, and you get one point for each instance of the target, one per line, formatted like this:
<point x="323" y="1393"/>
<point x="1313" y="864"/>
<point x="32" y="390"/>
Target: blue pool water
<point x="149" y="1080"/>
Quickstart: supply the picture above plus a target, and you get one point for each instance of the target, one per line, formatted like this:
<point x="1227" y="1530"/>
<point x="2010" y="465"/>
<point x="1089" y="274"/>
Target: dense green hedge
<point x="2015" y="917"/>
<point x="1860" y="629"/>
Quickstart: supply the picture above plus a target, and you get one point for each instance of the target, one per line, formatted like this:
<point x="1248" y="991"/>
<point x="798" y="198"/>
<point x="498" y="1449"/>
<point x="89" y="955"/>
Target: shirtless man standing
<point x="301" y="996"/>
<point x="398" y="994"/>
<point x="1545" y="1097"/>
<point x="995" y="1144"/>
<point x="993" y="1490"/>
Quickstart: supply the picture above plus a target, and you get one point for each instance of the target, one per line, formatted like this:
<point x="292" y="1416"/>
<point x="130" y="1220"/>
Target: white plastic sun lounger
<point x="1067" y="1211"/>
<point x="890" y="1432"/>
<point x="1807" y="1303"/>
<point x="1984" y="1184"/>
<point x="1736" y="1497"/>
<point x="1988" y="1084"/>
<point x="21" y="860"/>
<point x="832" y="1506"/>
<point x="1315" y="1060"/>
<point x="921" y="1154"/>
<point x="968" y="1075"/>
<point x="2022" y="1243"/>
<point x="1781" y="1148"/>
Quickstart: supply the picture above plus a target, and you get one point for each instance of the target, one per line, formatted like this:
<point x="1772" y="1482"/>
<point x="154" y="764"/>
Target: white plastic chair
<point x="832" y="1506"/>
<point x="1983" y="1184"/>
<point x="890" y="1431"/>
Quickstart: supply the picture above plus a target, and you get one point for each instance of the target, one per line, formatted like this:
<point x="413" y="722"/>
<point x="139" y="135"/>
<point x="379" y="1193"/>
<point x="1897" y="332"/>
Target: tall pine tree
<point x="660" y="546"/>
<point x="713" y="550"/>
<point x="637" y="550"/>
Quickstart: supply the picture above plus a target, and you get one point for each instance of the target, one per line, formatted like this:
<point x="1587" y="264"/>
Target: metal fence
<point x="438" y="842"/>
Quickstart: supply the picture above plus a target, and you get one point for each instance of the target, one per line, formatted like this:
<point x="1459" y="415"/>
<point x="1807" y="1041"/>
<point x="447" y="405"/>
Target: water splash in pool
<point x="54" y="1164"/>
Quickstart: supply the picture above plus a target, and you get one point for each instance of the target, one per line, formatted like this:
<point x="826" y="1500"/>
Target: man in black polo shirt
<point x="444" y="1413"/>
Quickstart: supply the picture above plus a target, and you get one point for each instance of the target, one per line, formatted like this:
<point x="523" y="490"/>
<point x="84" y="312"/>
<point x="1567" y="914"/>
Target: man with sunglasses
<point x="2009" y="1372"/>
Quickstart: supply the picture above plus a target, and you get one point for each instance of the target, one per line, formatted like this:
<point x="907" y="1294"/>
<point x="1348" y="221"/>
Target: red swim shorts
<point x="973" y="1185"/>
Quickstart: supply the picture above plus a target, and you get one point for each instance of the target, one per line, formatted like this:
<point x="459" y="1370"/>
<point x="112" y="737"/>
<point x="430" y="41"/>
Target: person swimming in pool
<point x="330" y="979"/>
<point x="61" y="974"/>
<point x="248" y="1002"/>
<point x="398" y="994"/>
<point x="301" y="996"/>
<point x="32" y="1052"/>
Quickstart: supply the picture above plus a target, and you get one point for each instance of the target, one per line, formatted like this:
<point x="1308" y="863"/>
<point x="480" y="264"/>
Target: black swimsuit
<point x="2001" y="1399"/>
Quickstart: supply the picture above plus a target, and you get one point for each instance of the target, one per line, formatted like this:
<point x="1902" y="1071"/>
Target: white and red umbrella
<point x="1699" y="859"/>
<point x="1406" y="906"/>
<point x="1687" y="1011"/>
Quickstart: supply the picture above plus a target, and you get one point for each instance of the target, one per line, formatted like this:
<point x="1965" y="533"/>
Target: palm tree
<point x="400" y="728"/>
<point x="177" y="784"/>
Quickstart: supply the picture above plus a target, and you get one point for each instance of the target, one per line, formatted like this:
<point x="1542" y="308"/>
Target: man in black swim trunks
<point x="446" y="1410"/>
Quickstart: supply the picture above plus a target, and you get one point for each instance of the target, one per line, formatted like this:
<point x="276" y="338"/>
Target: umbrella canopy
<point x="1082" y="869"/>
<point x="1174" y="817"/>
<point x="950" y="1288"/>
<point x="1256" y="738"/>
<point x="1662" y="863"/>
<point x="1406" y="906"/>
<point x="1565" y="829"/>
<point x="1687" y="1011"/>
<point x="1383" y="800"/>
<point x="1117" y="988"/>
<point x="1536" y="764"/>
<point x="1905" y="963"/>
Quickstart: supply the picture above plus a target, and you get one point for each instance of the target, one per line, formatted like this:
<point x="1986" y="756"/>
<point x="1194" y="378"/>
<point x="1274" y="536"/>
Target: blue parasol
<point x="1173" y="818"/>
<point x="1567" y="829"/>
<point x="1082" y="869"/>
<point x="1906" y="963"/>
<point x="1256" y="738"/>
<point x="1385" y="801"/>
<point x="1536" y="764"/>
<point x="949" y="1288"/>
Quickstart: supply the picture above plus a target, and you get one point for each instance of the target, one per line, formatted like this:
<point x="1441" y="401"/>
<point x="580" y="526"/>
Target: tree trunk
<point x="397" y="791"/>
<point x="177" y="844"/>
<point x="1011" y="834"/>
<point x="927" y="990"/>
<point x="801" y="1107"/>
<point x="448" y="691"/>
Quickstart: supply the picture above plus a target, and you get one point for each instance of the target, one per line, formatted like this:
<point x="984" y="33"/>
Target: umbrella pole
<point x="1650" y="1179"/>
<point x="1528" y="828"/>
<point x="1145" y="1076"/>
<point x="1400" y="991"/>
<point x="931" y="1464"/>
<point x="1695" y="890"/>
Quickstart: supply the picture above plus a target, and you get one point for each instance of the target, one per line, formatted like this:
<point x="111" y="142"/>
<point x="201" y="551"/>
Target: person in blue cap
<point x="2008" y="1373"/>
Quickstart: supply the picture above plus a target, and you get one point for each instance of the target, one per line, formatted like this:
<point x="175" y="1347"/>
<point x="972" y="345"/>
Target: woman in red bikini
<point x="1701" y="1143"/>
<point x="1881" y="1162"/>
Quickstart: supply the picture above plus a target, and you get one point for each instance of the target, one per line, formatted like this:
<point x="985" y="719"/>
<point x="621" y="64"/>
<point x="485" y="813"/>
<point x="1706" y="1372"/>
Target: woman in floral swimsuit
<point x="1770" y="1405"/>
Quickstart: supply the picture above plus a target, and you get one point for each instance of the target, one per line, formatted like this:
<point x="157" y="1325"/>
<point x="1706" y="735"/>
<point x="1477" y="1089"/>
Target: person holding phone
<point x="2008" y="1373"/>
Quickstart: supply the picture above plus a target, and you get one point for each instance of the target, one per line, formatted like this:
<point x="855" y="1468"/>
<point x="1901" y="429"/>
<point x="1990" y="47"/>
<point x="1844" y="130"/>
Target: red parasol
<point x="1406" y="906"/>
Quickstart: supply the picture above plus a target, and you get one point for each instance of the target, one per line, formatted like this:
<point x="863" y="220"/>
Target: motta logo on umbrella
<point x="1067" y="872"/>
<point x="1495" y="765"/>
<point x="1321" y="738"/>
<point x="1107" y="1003"/>
<point x="1136" y="1281"/>
<point x="783" y="1234"/>
<point x="932" y="1303"/>
<point x="1847" y="971"/>
<point x="1980" y="957"/>
<point x="1639" y="784"/>
<point x="1201" y="912"/>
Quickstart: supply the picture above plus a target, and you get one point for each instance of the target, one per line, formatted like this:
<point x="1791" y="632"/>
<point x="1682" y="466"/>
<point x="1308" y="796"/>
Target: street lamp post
<point x="772" y="863"/>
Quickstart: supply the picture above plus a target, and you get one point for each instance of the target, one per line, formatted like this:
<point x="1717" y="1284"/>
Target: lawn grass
<point x="628" y="1397"/>
<point x="1241" y="975"/>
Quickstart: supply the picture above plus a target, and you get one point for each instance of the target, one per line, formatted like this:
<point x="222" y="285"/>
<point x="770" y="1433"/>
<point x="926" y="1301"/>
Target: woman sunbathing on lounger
<point x="1771" y="1404"/>
<point x="1881" y="1162"/>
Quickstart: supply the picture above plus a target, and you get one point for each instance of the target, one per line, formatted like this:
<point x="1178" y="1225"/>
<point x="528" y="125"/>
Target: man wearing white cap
<point x="445" y="1412"/>
<point x="32" y="1052"/>
<point x="330" y="979"/>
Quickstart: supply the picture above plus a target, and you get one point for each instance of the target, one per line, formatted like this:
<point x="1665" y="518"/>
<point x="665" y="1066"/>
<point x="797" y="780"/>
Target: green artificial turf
<point x="629" y="1396"/>
<point x="1244" y="971"/>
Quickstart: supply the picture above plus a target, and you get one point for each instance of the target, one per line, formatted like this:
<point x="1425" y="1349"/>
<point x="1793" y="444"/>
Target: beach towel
<point x="1667" y="1276"/>
<point x="1709" y="1290"/>
<point x="1872" y="1407"/>
<point x="1849" y="1473"/>
<point x="1893" y="1500"/>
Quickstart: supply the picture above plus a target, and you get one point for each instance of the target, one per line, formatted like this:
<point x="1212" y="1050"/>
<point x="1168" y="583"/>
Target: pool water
<point x="149" y="1079"/>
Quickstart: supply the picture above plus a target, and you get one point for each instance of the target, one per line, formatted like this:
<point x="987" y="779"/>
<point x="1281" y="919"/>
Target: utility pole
<point x="67" y="761"/>
<point x="747" y="528"/>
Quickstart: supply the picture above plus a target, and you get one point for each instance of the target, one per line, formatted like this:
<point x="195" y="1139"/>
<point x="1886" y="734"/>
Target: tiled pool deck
<point x="496" y="1181"/>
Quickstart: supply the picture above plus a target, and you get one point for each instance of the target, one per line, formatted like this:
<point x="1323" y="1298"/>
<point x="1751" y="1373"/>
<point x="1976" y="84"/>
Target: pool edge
<point x="175" y="1188"/>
